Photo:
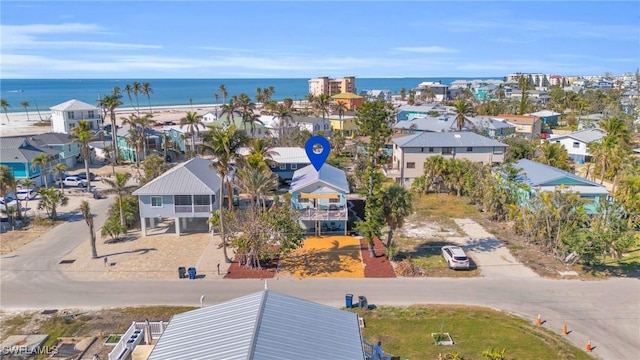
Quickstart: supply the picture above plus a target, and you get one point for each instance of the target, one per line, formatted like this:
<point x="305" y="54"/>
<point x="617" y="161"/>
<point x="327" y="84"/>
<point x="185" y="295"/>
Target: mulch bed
<point x="378" y="267"/>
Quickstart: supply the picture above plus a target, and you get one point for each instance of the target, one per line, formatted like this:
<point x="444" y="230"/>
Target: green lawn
<point x="629" y="265"/>
<point x="443" y="207"/>
<point x="406" y="332"/>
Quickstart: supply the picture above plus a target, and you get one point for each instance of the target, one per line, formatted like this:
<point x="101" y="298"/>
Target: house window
<point x="294" y="166"/>
<point x="302" y="200"/>
<point x="447" y="150"/>
<point x="430" y="149"/>
<point x="334" y="200"/>
<point x="182" y="199"/>
<point x="156" y="201"/>
<point x="91" y="114"/>
<point x="273" y="166"/>
<point x="469" y="149"/>
<point x="498" y="150"/>
<point x="201" y="200"/>
<point x="70" y="115"/>
<point x="576" y="145"/>
<point x="411" y="165"/>
<point x="283" y="166"/>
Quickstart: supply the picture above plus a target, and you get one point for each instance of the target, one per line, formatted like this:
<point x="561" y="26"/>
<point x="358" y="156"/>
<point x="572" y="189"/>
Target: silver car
<point x="455" y="256"/>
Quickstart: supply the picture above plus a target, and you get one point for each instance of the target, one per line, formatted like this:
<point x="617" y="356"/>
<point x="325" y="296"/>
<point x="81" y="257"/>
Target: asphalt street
<point x="607" y="311"/>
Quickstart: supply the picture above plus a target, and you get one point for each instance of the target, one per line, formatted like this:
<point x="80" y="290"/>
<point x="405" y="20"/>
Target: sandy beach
<point x="18" y="124"/>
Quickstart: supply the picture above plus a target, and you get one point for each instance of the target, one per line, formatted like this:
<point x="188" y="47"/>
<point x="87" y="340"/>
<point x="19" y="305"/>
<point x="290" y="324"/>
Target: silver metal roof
<point x="263" y="325"/>
<point x="536" y="174"/>
<point x="20" y="150"/>
<point x="74" y="105"/>
<point x="446" y="139"/>
<point x="193" y="177"/>
<point x="328" y="174"/>
<point x="586" y="136"/>
<point x="283" y="155"/>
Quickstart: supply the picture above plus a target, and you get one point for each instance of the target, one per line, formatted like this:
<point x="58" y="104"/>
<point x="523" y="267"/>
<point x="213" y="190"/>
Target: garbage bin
<point x="348" y="301"/>
<point x="182" y="272"/>
<point x="192" y="273"/>
<point x="362" y="302"/>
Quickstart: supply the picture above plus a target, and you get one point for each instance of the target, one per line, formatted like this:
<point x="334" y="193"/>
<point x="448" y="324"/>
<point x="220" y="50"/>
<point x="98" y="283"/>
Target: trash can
<point x="362" y="302"/>
<point x="192" y="273"/>
<point x="348" y="301"/>
<point x="182" y="272"/>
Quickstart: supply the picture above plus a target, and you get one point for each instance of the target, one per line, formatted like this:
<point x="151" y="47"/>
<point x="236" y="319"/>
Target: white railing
<point x="135" y="332"/>
<point x="323" y="214"/>
<point x="183" y="208"/>
<point x="370" y="352"/>
<point x="201" y="208"/>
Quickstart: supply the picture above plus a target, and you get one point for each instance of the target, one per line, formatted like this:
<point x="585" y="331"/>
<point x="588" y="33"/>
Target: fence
<point x="121" y="351"/>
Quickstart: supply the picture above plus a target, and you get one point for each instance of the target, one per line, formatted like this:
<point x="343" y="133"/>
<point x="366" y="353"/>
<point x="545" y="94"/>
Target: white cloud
<point x="426" y="49"/>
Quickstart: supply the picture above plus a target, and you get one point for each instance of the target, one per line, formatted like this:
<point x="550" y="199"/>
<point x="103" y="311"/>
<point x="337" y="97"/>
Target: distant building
<point x="350" y="101"/>
<point x="438" y="89"/>
<point x="284" y="161"/>
<point x="328" y="86"/>
<point x="66" y="116"/>
<point x="529" y="126"/>
<point x="18" y="153"/>
<point x="558" y="80"/>
<point x="577" y="143"/>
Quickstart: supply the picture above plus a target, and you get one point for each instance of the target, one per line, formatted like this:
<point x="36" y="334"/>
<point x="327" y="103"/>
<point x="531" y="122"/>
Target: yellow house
<point x="350" y="100"/>
<point x="346" y="125"/>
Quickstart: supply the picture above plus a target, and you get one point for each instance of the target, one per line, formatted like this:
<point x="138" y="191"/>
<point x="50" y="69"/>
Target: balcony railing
<point x="390" y="171"/>
<point x="192" y="208"/>
<point x="330" y="213"/>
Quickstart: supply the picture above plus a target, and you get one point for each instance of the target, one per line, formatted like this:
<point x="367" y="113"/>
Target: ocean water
<point x="45" y="93"/>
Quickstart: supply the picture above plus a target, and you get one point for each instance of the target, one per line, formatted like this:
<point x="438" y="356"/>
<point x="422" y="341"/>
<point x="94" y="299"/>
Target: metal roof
<point x="283" y="155"/>
<point x="536" y="174"/>
<point x="193" y="177"/>
<point x="328" y="174"/>
<point x="447" y="139"/>
<point x="19" y="150"/>
<point x="586" y="136"/>
<point x="52" y="138"/>
<point x="74" y="104"/>
<point x="544" y="113"/>
<point x="262" y="325"/>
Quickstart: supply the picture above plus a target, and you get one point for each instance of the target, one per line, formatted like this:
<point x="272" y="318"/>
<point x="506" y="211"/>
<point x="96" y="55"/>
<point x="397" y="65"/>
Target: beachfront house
<point x="18" y="152"/>
<point x="314" y="124"/>
<point x="187" y="193"/>
<point x="69" y="150"/>
<point x="383" y="95"/>
<point x="577" y="143"/>
<point x="410" y="152"/>
<point x="351" y="101"/>
<point x="284" y="161"/>
<point x="545" y="178"/>
<point x="65" y="116"/>
<point x="320" y="199"/>
<point x="129" y="150"/>
<point x="263" y="325"/>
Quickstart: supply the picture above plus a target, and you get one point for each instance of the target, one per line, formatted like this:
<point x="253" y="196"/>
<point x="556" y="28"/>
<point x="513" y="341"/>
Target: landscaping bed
<point x="378" y="267"/>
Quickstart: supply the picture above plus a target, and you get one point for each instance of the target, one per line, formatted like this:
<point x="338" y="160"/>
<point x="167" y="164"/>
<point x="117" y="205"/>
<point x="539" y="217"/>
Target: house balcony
<point x="332" y="212"/>
<point x="390" y="171"/>
<point x="188" y="209"/>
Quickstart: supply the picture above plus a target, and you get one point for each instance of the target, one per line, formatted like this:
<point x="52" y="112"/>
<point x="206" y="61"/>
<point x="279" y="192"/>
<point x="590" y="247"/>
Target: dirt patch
<point x="375" y="267"/>
<point x="327" y="256"/>
<point x="14" y="240"/>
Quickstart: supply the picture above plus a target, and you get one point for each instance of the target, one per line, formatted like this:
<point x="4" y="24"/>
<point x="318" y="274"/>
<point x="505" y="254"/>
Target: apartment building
<point x="329" y="86"/>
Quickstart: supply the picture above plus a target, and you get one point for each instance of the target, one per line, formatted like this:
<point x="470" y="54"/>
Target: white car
<point x="73" y="181"/>
<point x="9" y="201"/>
<point x="455" y="256"/>
<point x="26" y="193"/>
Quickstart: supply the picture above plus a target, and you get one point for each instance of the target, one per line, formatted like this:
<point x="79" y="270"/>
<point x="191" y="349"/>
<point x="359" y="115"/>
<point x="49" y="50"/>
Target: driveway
<point x="604" y="311"/>
<point x="490" y="255"/>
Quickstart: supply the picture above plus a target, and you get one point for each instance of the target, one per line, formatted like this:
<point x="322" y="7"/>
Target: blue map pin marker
<point x="317" y="158"/>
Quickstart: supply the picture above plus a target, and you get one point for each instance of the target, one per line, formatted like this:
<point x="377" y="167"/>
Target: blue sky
<point x="303" y="39"/>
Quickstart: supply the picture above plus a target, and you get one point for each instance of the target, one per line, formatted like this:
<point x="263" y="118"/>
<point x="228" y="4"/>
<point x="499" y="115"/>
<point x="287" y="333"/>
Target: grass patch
<point x="629" y="265"/>
<point x="444" y="207"/>
<point x="13" y="324"/>
<point x="406" y="332"/>
<point x="113" y="339"/>
<point x="428" y="256"/>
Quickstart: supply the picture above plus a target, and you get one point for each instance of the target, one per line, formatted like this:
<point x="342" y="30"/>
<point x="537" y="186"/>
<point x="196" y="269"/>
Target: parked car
<point x="26" y="193"/>
<point x="73" y="181"/>
<point x="10" y="203"/>
<point x="83" y="176"/>
<point x="455" y="256"/>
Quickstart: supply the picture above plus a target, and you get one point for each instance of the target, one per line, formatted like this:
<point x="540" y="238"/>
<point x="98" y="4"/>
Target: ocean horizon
<point x="42" y="94"/>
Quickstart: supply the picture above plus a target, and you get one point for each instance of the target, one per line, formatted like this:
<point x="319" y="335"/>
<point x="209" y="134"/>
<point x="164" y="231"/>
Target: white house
<point x="577" y="143"/>
<point x="209" y="117"/>
<point x="65" y="116"/>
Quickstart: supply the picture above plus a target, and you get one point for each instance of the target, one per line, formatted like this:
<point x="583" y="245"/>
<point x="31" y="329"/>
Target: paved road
<point x="607" y="312"/>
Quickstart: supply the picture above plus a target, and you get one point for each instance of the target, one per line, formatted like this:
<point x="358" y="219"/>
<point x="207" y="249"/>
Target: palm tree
<point x="256" y="182"/>
<point x="223" y="92"/>
<point x="129" y="90"/>
<point x="137" y="89"/>
<point x="229" y="110"/>
<point x="28" y="184"/>
<point x="245" y="107"/>
<point x="166" y="144"/>
<point x="50" y="199"/>
<point x="118" y="186"/>
<point x="340" y="108"/>
<point x="321" y="104"/>
<point x="88" y="218"/>
<point x="41" y="161"/>
<point x="283" y="114"/>
<point x="260" y="153"/>
<point x="616" y="128"/>
<point x="215" y="97"/>
<point x="5" y="104"/>
<point x="60" y="168"/>
<point x="82" y="134"/>
<point x="144" y="122"/>
<point x="6" y="184"/>
<point x="553" y="154"/>
<point x="462" y="108"/>
<point x="223" y="144"/>
<point x="110" y="103"/>
<point x="25" y="105"/>
<point x="192" y="122"/>
<point x="147" y="91"/>
<point x="396" y="204"/>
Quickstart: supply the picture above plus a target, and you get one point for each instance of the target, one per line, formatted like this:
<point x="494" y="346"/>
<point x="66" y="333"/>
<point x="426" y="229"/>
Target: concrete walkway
<point x="492" y="258"/>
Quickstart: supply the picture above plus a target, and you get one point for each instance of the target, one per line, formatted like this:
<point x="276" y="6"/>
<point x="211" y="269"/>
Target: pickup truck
<point x="73" y="181"/>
